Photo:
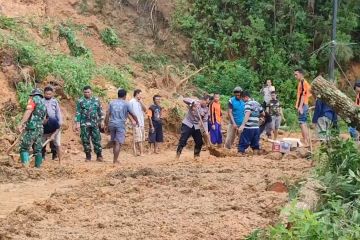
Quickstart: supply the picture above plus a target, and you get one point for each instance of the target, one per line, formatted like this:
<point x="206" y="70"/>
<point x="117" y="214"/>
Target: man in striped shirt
<point x="249" y="129"/>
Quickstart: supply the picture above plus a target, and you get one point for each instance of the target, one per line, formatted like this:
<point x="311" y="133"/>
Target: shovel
<point x="212" y="150"/>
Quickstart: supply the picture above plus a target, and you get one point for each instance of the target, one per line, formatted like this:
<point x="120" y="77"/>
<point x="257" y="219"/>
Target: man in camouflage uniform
<point x="89" y="116"/>
<point x="32" y="127"/>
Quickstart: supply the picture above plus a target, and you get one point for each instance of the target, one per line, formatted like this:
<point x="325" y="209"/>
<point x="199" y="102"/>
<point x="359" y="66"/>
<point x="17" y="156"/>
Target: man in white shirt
<point x="138" y="108"/>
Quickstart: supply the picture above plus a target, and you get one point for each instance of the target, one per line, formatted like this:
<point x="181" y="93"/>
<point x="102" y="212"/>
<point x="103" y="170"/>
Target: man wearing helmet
<point x="31" y="126"/>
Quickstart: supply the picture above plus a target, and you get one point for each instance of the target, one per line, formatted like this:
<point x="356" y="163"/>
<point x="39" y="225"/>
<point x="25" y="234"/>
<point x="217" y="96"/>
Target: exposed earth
<point x="150" y="197"/>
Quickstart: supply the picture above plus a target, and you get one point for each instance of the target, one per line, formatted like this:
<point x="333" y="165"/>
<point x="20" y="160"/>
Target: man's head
<point x="216" y="97"/>
<point x="268" y="83"/>
<point x="122" y="93"/>
<point x="273" y="95"/>
<point x="157" y="99"/>
<point x="87" y="91"/>
<point x="36" y="92"/>
<point x="357" y="86"/>
<point x="299" y="74"/>
<point x="204" y="101"/>
<point x="246" y="96"/>
<point x="137" y="94"/>
<point x="48" y="92"/>
<point x="237" y="92"/>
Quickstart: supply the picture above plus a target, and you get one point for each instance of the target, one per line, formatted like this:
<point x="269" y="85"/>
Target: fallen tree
<point x="337" y="100"/>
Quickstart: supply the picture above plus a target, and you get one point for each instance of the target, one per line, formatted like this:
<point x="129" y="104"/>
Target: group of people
<point x="248" y="119"/>
<point x="42" y="120"/>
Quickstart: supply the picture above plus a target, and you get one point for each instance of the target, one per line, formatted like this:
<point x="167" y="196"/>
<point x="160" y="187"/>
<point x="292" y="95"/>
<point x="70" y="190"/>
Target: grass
<point x="7" y="23"/>
<point x="109" y="37"/>
<point x="150" y="61"/>
<point x="74" y="71"/>
<point x="119" y="78"/>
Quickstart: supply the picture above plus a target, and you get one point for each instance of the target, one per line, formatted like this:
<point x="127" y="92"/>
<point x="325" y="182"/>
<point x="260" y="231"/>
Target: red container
<point x="276" y="147"/>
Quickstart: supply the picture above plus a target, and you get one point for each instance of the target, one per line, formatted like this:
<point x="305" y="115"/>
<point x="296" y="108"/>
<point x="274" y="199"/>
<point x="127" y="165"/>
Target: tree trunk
<point x="337" y="100"/>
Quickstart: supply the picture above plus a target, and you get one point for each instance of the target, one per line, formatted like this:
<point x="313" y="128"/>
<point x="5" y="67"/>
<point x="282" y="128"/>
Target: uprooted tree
<point x="337" y="100"/>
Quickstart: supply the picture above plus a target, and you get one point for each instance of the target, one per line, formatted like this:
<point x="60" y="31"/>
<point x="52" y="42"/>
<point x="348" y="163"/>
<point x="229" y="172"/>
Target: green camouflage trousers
<point x="32" y="137"/>
<point x="93" y="133"/>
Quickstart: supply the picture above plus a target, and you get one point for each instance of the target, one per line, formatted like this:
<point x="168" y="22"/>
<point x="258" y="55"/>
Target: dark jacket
<point x="323" y="110"/>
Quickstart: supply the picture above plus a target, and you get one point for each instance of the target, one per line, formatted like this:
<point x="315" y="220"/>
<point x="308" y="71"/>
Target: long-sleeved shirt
<point x="323" y="110"/>
<point x="89" y="111"/>
<point x="53" y="109"/>
<point x="192" y="117"/>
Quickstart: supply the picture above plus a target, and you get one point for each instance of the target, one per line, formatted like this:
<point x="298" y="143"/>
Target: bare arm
<point x="231" y="116"/>
<point x="25" y="118"/>
<point x="246" y="119"/>
<point x="133" y="118"/>
<point x="107" y="117"/>
<point x="142" y="106"/>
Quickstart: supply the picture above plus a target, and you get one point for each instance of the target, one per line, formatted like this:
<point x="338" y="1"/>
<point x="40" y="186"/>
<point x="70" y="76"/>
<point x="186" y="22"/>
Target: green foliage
<point x="23" y="91"/>
<point x="268" y="38"/>
<point x="222" y="77"/>
<point x="76" y="48"/>
<point x="7" y="23"/>
<point x="119" y="78"/>
<point x="150" y="61"/>
<point x="46" y="30"/>
<point x="109" y="37"/>
<point x="338" y="169"/>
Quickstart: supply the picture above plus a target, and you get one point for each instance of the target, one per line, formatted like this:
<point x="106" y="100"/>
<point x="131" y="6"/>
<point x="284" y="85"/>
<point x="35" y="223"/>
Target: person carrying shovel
<point x="31" y="127"/>
<point x="192" y="123"/>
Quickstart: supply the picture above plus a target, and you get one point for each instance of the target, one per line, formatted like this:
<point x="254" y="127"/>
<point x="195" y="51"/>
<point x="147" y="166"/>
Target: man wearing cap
<point x="236" y="113"/>
<point x="31" y="126"/>
<point x="352" y="131"/>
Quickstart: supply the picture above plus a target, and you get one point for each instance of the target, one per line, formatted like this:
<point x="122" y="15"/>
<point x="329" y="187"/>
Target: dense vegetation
<point x="74" y="71"/>
<point x="338" y="214"/>
<point x="245" y="42"/>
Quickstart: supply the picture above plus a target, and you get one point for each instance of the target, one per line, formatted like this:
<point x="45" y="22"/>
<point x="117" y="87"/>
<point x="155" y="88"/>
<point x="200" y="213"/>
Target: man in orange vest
<point x="302" y="103"/>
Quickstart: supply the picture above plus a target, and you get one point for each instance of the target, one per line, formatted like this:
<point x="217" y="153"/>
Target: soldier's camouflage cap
<point x="36" y="91"/>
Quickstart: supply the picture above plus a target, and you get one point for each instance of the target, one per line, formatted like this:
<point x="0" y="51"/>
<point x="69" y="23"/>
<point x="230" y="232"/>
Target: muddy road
<point x="154" y="197"/>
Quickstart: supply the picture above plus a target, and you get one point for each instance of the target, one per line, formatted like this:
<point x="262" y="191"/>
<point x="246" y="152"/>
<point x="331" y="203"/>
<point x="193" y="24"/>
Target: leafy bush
<point x="76" y="48"/>
<point x="338" y="217"/>
<point x="7" y="23"/>
<point x="150" y="61"/>
<point x="109" y="37"/>
<point x="23" y="91"/>
<point x="119" y="78"/>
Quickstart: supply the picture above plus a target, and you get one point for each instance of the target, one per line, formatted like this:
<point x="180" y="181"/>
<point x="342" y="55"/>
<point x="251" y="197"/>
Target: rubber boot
<point x="24" y="156"/>
<point x="38" y="160"/>
<point x="99" y="157"/>
<point x="88" y="157"/>
<point x="53" y="151"/>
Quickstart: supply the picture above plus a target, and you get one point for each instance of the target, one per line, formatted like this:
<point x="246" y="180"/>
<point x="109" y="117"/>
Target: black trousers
<point x="186" y="132"/>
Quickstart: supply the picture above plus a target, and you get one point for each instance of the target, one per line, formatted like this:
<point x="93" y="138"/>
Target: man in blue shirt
<point x="236" y="116"/>
<point x="324" y="119"/>
<point x="115" y="121"/>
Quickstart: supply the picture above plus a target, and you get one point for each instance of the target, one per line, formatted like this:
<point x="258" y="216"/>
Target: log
<point x="337" y="100"/>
